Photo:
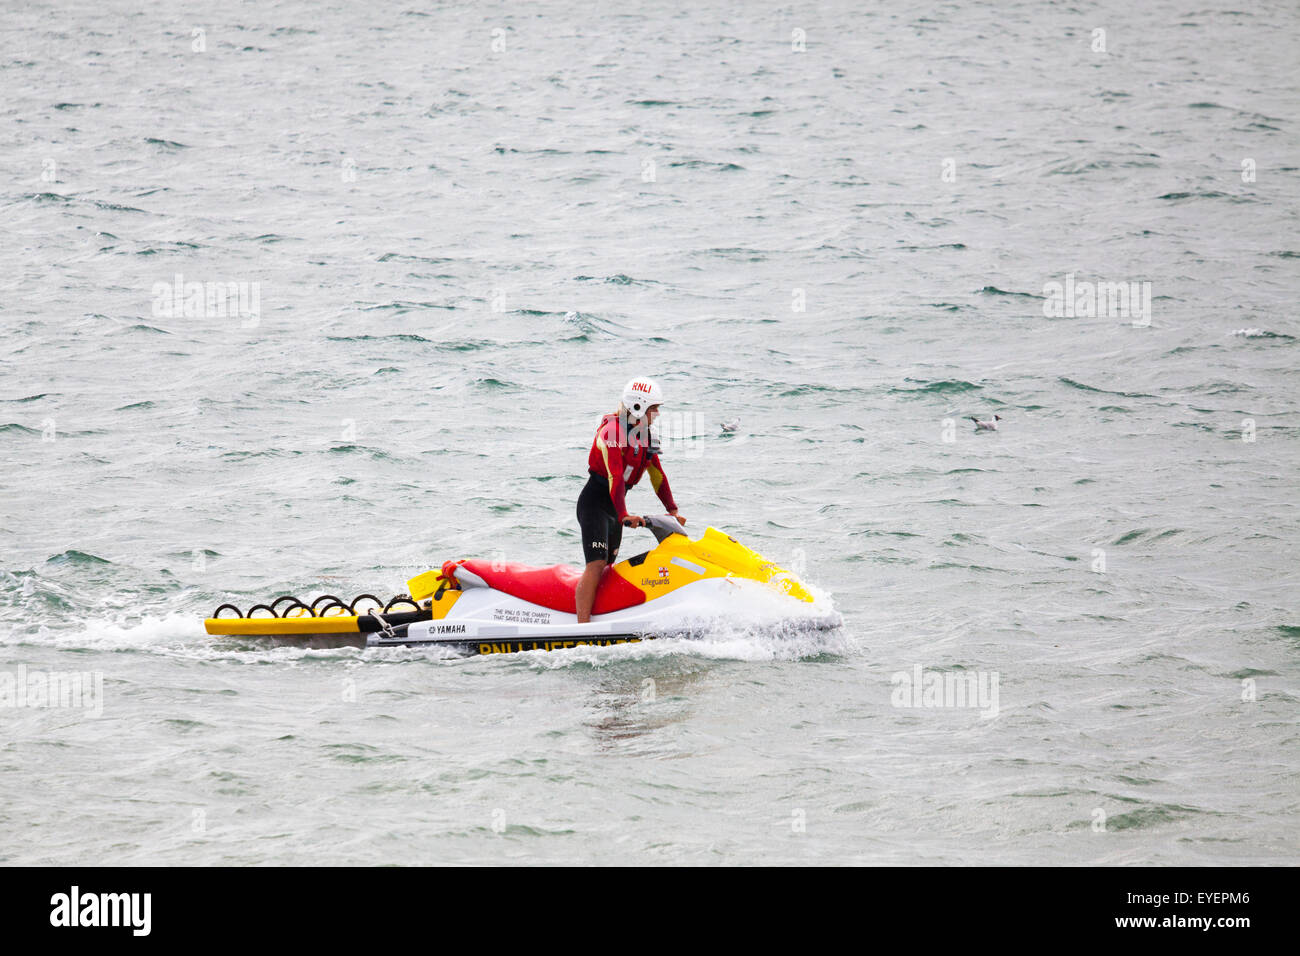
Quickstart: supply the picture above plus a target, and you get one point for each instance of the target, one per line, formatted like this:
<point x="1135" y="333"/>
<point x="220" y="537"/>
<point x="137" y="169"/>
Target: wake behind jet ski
<point x="678" y="588"/>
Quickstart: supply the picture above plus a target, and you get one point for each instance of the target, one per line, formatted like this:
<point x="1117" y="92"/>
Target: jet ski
<point x="678" y="588"/>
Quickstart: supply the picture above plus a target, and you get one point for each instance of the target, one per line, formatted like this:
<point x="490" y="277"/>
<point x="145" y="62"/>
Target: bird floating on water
<point x="986" y="426"/>
<point x="731" y="426"/>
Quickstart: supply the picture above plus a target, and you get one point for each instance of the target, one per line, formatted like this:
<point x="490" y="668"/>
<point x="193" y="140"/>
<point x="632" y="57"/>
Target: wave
<point x="941" y="387"/>
<point x="1261" y="334"/>
<point x="395" y="337"/>
<point x="994" y="290"/>
<point x="1100" y="391"/>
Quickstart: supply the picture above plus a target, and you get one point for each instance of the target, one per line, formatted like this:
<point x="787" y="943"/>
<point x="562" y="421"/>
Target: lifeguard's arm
<point x="659" y="481"/>
<point x="612" y="456"/>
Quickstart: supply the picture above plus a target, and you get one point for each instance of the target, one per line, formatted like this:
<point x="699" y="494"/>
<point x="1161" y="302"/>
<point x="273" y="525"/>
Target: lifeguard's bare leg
<point x="586" y="595"/>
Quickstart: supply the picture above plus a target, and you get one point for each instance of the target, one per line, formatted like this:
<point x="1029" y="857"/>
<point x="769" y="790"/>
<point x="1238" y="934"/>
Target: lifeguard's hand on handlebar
<point x="636" y="521"/>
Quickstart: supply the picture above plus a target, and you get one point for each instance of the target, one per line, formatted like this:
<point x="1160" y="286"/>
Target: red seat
<point x="555" y="587"/>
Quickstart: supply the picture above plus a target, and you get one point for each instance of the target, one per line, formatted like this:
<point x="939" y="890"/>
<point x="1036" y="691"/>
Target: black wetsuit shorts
<point x="601" y="531"/>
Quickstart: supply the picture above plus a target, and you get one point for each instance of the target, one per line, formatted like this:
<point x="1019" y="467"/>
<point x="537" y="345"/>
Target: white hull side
<point x="485" y="615"/>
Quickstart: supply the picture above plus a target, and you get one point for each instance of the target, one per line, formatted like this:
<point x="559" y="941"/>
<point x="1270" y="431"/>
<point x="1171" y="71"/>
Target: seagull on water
<point x="987" y="426"/>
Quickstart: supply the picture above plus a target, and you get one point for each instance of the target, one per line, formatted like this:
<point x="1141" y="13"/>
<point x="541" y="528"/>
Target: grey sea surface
<point x="450" y="232"/>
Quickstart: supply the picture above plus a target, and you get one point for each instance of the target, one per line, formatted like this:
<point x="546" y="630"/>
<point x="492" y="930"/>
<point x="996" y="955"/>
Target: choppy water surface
<point x="459" y="228"/>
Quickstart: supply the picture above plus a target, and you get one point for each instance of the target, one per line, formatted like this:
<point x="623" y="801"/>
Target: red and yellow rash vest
<point x="622" y="455"/>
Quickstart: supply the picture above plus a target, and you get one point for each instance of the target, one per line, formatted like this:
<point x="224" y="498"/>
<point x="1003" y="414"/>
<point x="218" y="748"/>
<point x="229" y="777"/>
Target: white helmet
<point x="639" y="394"/>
